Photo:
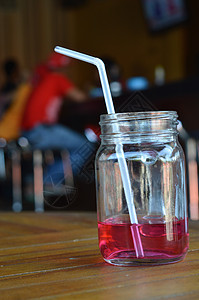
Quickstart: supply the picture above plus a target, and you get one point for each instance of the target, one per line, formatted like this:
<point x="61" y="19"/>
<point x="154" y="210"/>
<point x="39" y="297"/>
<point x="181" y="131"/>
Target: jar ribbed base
<point x="147" y="261"/>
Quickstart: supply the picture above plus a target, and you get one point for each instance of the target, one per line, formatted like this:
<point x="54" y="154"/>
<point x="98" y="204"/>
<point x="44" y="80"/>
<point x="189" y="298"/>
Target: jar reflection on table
<point x="155" y="162"/>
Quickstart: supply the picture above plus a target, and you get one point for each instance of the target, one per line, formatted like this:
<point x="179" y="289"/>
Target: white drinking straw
<point x="119" y="147"/>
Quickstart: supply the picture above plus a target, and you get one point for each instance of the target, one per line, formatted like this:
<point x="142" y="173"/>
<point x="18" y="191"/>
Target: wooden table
<point x="56" y="256"/>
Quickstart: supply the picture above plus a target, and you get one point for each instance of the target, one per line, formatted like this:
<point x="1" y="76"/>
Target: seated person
<point x="12" y="80"/>
<point x="40" y="117"/>
<point x="10" y="124"/>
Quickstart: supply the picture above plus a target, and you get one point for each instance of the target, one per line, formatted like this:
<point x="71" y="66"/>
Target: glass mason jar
<point x="156" y="168"/>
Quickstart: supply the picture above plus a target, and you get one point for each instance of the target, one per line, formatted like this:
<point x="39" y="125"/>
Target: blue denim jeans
<point x="59" y="137"/>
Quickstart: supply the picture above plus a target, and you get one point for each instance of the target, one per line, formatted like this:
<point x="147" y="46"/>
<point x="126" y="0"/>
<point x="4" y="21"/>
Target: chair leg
<point x="38" y="180"/>
<point x="68" y="173"/>
<point x="2" y="164"/>
<point x="16" y="180"/>
<point x="193" y="179"/>
<point x="70" y="189"/>
<point x="2" y="158"/>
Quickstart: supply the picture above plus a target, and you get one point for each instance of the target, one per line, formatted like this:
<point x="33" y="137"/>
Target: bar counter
<point x="55" y="256"/>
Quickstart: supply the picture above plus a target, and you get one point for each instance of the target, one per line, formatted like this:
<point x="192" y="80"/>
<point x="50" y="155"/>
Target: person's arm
<point x="69" y="90"/>
<point x="76" y="95"/>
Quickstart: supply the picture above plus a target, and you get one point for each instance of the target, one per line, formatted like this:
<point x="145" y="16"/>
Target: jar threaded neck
<point x="142" y="124"/>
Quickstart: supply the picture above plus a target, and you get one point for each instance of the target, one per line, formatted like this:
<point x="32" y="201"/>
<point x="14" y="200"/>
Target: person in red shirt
<point x="49" y="89"/>
<point x="40" y="118"/>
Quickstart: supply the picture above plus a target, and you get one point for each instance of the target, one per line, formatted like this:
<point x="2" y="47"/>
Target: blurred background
<point x="30" y="29"/>
<point x="150" y="46"/>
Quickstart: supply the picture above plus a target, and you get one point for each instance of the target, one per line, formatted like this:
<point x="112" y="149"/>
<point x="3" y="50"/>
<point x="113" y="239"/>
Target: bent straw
<point x="119" y="147"/>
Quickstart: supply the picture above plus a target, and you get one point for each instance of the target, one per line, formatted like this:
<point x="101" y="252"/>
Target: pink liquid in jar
<point x="162" y="242"/>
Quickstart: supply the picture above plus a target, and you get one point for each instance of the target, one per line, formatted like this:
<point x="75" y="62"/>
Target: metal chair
<point x="14" y="154"/>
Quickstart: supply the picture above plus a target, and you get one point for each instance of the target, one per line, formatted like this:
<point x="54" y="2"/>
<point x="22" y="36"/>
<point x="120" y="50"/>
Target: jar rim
<point x="139" y="115"/>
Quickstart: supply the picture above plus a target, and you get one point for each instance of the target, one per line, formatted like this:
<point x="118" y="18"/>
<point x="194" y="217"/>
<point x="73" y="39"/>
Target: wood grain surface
<point x="56" y="256"/>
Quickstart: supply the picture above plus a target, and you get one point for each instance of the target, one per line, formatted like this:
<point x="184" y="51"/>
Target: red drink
<point x="162" y="242"/>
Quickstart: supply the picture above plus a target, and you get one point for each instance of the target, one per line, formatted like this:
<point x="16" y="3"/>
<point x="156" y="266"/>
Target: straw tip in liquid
<point x="137" y="241"/>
